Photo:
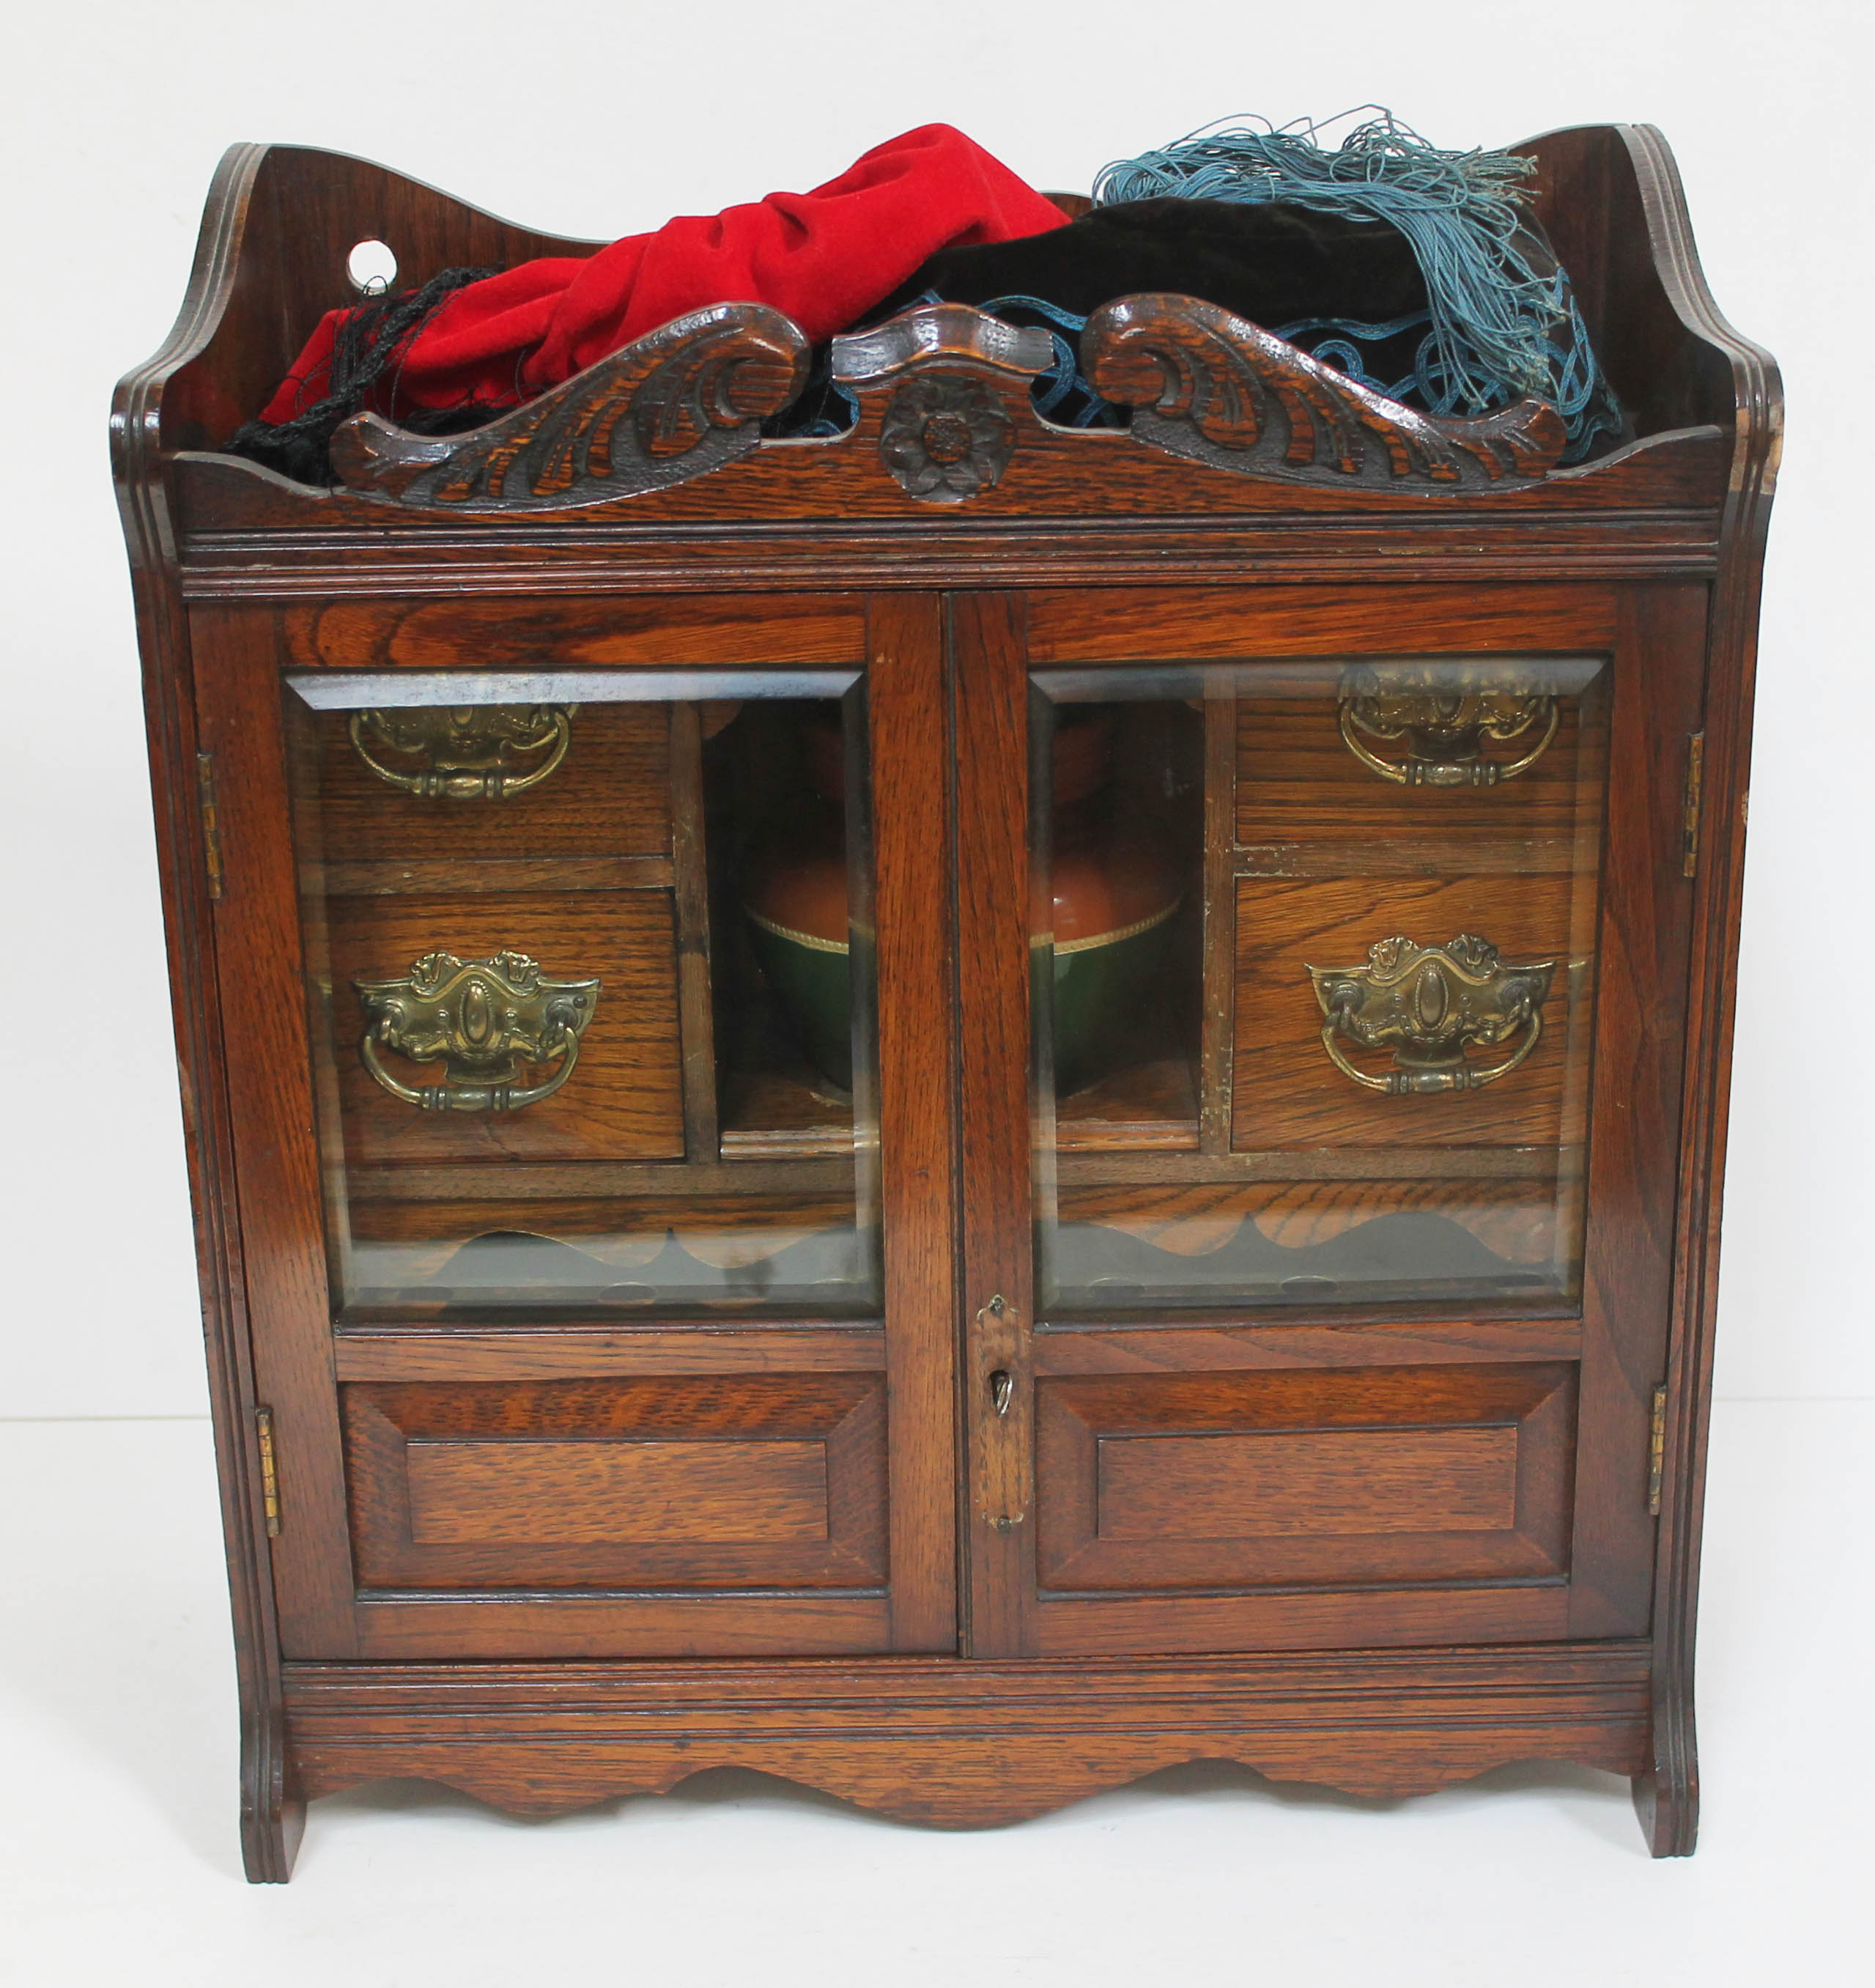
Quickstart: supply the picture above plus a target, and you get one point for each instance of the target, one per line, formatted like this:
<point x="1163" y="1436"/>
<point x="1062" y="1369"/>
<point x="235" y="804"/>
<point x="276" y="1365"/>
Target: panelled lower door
<point x="586" y="1005"/>
<point x="1327" y="956"/>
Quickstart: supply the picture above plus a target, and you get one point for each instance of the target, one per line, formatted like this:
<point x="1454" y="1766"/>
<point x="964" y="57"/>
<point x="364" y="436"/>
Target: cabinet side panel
<point x="1646" y="905"/>
<point x="271" y="1109"/>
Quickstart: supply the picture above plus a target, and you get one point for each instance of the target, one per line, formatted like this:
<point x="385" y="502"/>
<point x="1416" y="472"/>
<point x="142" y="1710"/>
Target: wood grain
<point x="1309" y="1478"/>
<point x="602" y="631"/>
<point x="698" y="1482"/>
<point x="1285" y="1091"/>
<point x="624" y="1100"/>
<point x="1298" y="783"/>
<point x="268" y="1067"/>
<point x="542" y="1353"/>
<point x="1248" y="1487"/>
<point x="970" y="1745"/>
<point x="762" y="565"/>
<point x="994" y="887"/>
<point x="1070" y="627"/>
<point x="913" y="854"/>
<point x="609" y="797"/>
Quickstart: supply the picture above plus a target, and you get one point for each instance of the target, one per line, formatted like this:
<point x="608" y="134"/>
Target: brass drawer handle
<point x="465" y="747"/>
<point x="484" y="1018"/>
<point x="1427" y="1003"/>
<point x="1445" y="730"/>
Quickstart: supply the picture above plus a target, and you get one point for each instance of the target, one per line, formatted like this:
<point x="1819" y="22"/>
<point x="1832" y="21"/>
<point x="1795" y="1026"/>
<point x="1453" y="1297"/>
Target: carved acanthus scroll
<point x="684" y="401"/>
<point x="1213" y="387"/>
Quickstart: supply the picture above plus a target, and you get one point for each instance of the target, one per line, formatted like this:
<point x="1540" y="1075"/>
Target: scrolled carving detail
<point x="1215" y="388"/>
<point x="946" y="437"/>
<point x="675" y="404"/>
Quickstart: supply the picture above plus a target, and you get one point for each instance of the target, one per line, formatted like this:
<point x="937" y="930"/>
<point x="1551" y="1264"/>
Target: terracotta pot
<point x="1114" y="891"/>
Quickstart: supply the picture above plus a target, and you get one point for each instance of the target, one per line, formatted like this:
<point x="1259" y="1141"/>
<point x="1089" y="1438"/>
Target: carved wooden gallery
<point x="970" y="1033"/>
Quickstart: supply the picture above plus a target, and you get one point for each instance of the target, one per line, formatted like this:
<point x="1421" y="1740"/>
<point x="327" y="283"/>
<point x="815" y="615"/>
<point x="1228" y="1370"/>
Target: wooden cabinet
<point x="954" y="1148"/>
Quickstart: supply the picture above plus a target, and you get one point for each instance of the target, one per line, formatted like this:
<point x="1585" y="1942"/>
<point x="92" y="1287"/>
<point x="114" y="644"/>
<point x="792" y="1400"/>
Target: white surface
<point x="596" y="119"/>
<point x="118" y="1863"/>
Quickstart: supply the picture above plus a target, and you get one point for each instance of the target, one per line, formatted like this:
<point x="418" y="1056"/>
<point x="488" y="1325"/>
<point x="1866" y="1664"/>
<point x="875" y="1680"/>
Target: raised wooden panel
<point x="609" y="798"/>
<point x="1307" y="1477"/>
<point x="692" y="1482"/>
<point x="625" y="1099"/>
<point x="1285" y="1091"/>
<point x="583" y="1493"/>
<point x="1272" y="1487"/>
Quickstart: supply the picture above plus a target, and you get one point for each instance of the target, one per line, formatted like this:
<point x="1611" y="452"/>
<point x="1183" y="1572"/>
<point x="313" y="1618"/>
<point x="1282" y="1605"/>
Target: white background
<point x="597" y="120"/>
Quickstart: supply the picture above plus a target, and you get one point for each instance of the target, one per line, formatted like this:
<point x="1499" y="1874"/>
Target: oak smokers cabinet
<point x="963" y="1109"/>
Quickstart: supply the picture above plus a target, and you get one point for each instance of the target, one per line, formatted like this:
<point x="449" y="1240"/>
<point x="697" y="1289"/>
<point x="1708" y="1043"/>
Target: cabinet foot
<point x="272" y="1820"/>
<point x="1667" y="1795"/>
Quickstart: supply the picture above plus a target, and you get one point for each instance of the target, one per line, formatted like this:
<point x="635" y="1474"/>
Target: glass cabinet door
<point x="1314" y="951"/>
<point x="1353" y="930"/>
<point x="588" y="1014"/>
<point x="590" y="988"/>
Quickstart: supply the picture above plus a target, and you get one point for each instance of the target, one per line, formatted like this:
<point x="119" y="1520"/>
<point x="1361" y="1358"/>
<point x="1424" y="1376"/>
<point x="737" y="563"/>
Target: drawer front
<point x="692" y="1482"/>
<point x="1287" y="1088"/>
<point x="590" y="781"/>
<point x="623" y="1100"/>
<point x="1301" y="787"/>
<point x="1161" y="1482"/>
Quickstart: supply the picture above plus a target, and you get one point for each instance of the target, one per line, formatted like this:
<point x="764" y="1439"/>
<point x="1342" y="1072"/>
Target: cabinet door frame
<point x="1655" y="634"/>
<point x="240" y="652"/>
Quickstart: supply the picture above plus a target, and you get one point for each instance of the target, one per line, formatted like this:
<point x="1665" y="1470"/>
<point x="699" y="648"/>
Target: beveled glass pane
<point x="1314" y="966"/>
<point x="590" y="988"/>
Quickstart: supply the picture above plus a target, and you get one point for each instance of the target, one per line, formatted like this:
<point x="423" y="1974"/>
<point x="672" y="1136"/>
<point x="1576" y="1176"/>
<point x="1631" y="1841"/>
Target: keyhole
<point x="1002" y="1389"/>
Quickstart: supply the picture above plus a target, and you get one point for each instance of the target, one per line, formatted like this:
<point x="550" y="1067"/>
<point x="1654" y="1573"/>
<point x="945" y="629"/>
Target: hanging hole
<point x="372" y="268"/>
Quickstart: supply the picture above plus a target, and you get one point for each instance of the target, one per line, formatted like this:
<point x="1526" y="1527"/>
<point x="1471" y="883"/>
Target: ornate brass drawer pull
<point x="1427" y="1003"/>
<point x="465" y="747"/>
<point x="484" y="1018"/>
<point x="1445" y="728"/>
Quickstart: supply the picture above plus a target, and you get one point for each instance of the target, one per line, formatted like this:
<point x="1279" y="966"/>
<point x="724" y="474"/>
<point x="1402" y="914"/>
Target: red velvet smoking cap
<point x="823" y="258"/>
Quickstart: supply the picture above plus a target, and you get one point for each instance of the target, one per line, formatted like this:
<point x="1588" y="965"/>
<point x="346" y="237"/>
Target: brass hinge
<point x="1657" y="1450"/>
<point x="211" y="826"/>
<point x="1689" y="829"/>
<point x="270" y="1475"/>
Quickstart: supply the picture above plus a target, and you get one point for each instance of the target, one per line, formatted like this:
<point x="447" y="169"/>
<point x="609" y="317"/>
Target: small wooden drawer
<point x="1305" y="800"/>
<point x="622" y="1100"/>
<point x="607" y="803"/>
<point x="695" y="1480"/>
<point x="1323" y="1477"/>
<point x="1287" y="1091"/>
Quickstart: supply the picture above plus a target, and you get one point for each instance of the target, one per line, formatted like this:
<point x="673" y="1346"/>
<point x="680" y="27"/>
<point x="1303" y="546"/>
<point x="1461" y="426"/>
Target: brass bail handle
<point x="465" y="749"/>
<point x="1429" y="1004"/>
<point x="1446" y="731"/>
<point x="485" y="1020"/>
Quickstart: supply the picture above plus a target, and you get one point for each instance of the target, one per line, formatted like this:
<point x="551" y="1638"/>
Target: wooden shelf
<point x="770" y="1115"/>
<point x="1152" y="1106"/>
